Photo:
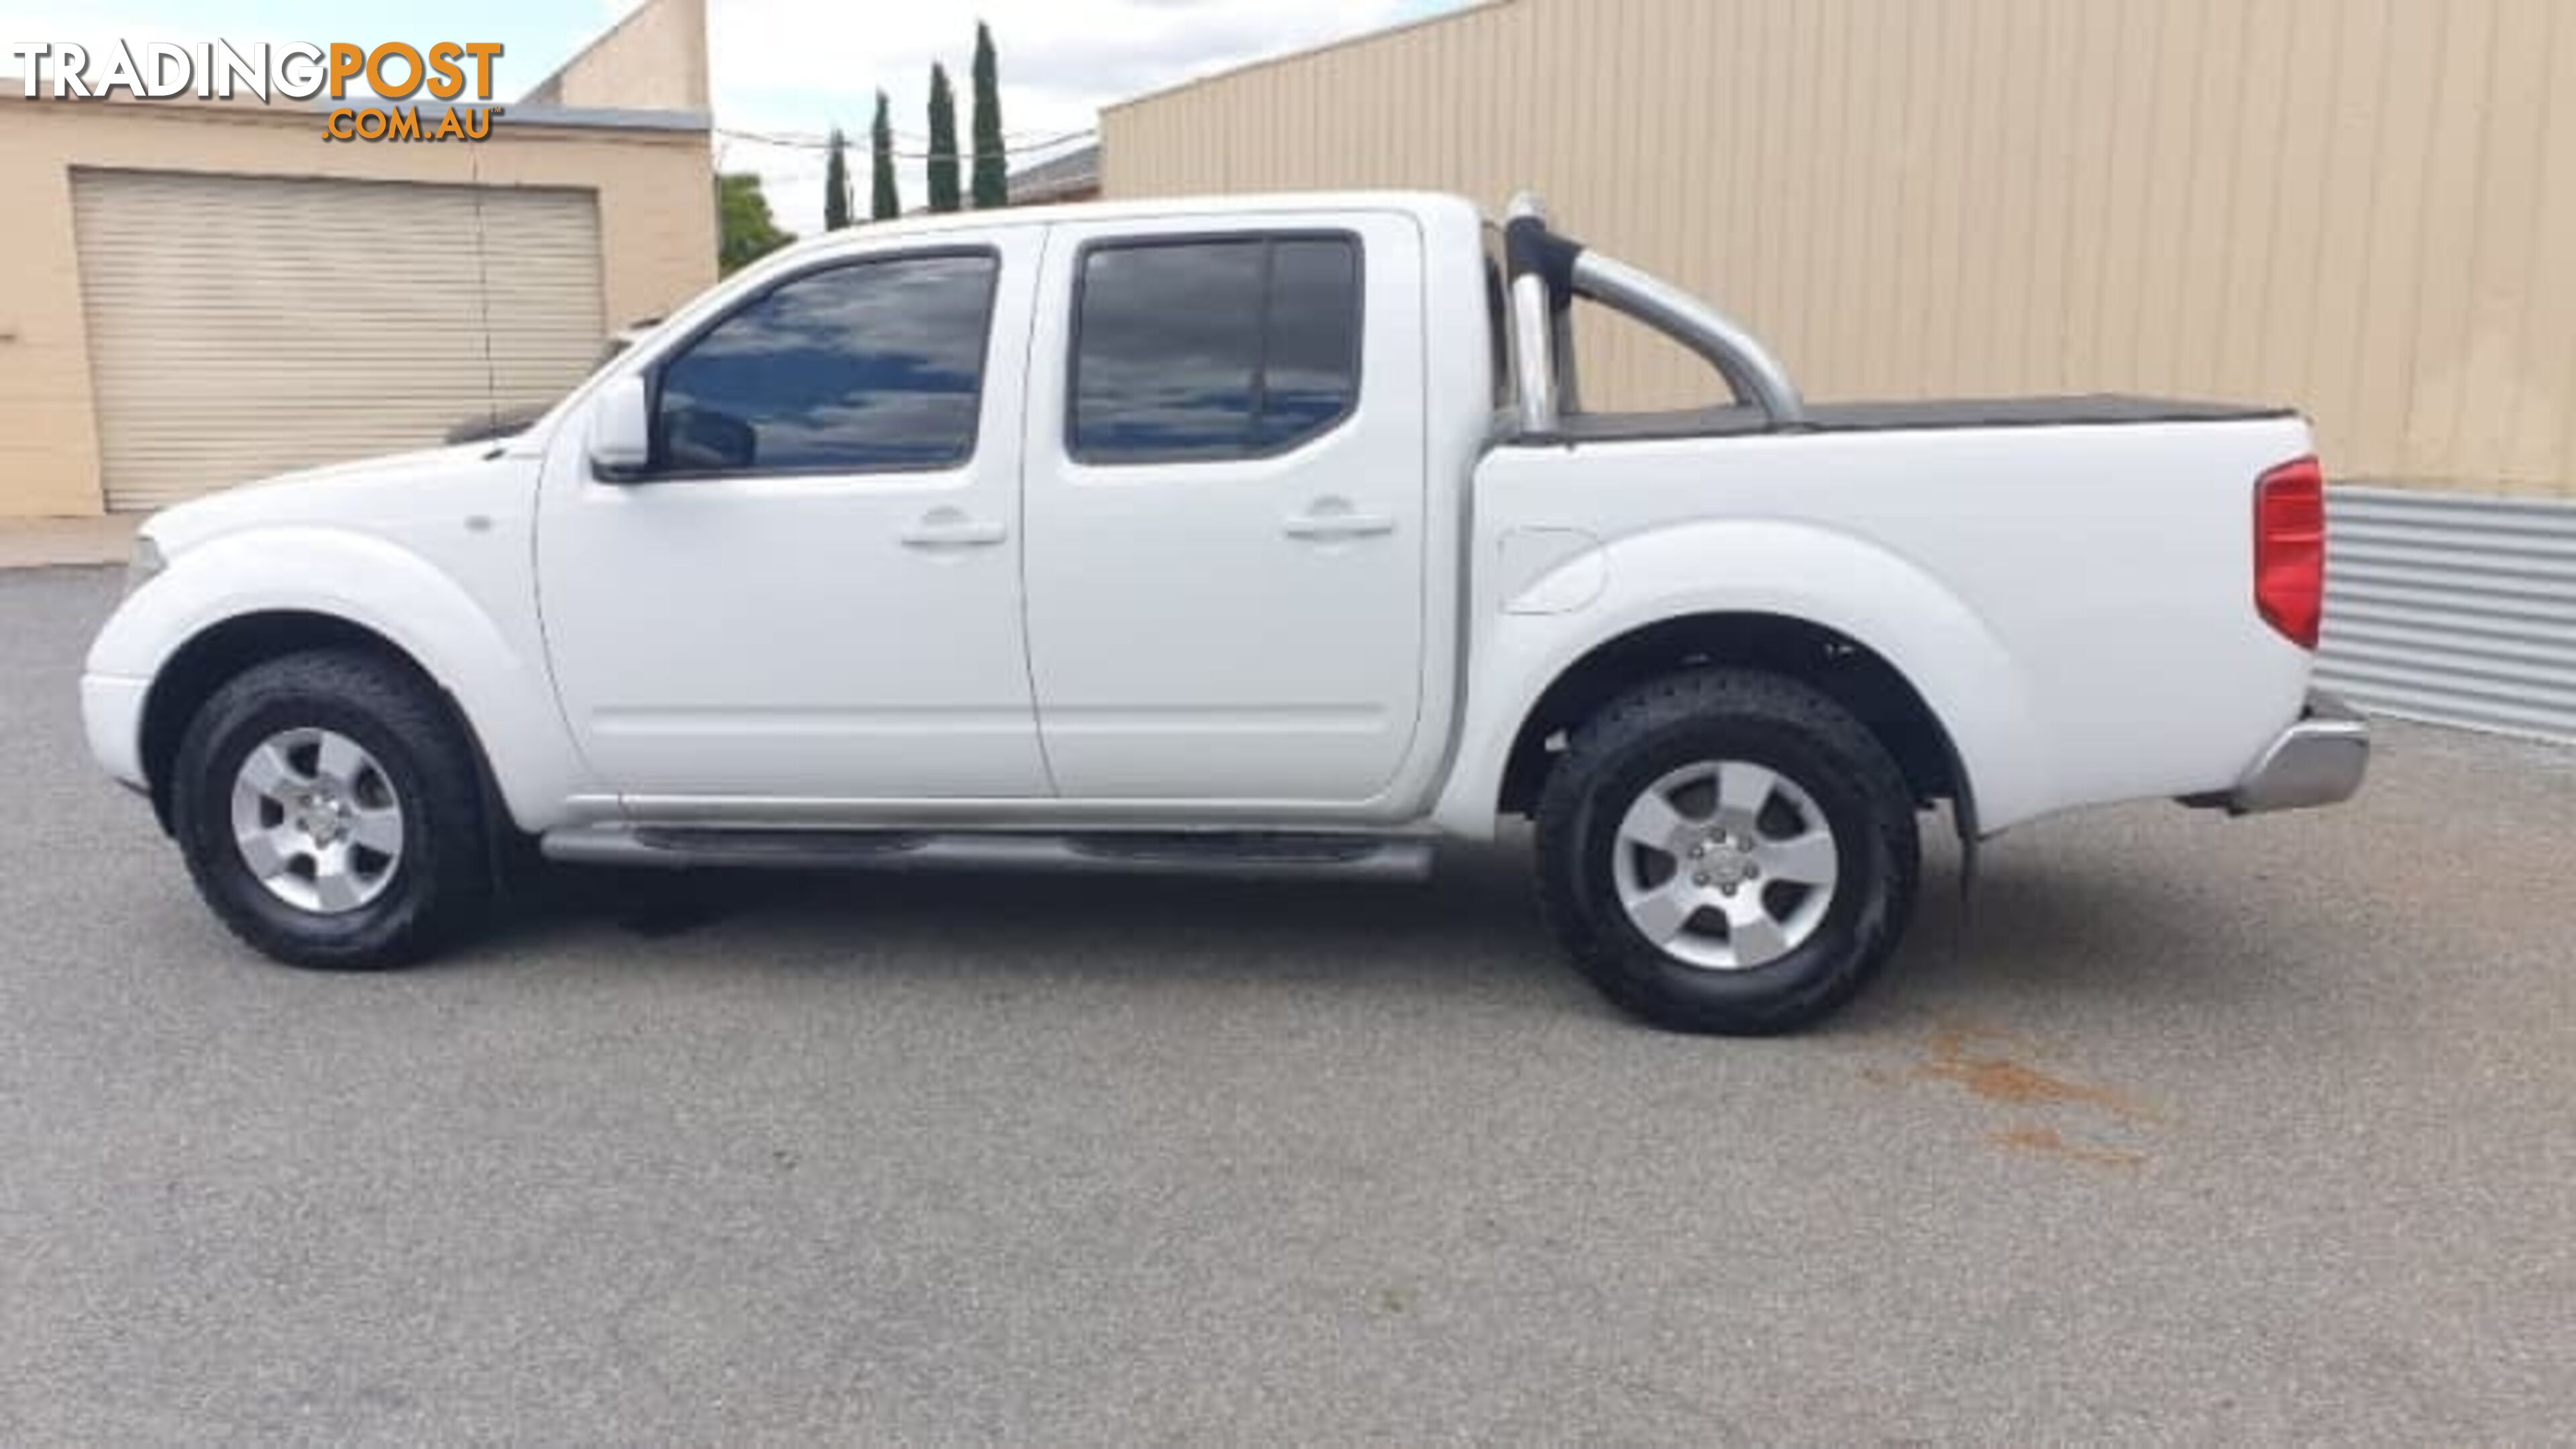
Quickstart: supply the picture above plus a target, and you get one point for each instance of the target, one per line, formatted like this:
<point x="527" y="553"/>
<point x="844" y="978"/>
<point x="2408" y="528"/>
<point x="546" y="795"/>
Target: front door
<point x="1225" y="507"/>
<point x="813" y="592"/>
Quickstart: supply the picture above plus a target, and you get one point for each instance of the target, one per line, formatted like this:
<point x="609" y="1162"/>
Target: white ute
<point x="1259" y="535"/>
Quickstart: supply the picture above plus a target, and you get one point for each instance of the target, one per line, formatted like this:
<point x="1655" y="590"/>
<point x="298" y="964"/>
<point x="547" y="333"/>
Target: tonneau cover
<point x="2096" y="410"/>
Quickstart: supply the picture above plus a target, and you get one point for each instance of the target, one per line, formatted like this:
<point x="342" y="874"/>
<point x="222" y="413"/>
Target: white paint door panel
<point x="1225" y="546"/>
<point x="839" y="621"/>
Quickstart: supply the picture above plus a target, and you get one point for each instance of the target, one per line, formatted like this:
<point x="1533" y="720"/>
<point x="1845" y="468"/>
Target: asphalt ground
<point x="2191" y="1131"/>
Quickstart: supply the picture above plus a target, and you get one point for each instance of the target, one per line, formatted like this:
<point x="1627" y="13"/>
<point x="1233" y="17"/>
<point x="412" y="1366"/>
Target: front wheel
<point x="328" y="807"/>
<point x="1727" y="851"/>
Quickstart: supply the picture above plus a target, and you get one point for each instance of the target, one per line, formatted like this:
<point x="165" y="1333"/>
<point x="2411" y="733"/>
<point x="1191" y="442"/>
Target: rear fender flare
<point x="1854" y="587"/>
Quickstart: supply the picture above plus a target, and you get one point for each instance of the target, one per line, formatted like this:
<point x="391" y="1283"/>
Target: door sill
<point x="1266" y="854"/>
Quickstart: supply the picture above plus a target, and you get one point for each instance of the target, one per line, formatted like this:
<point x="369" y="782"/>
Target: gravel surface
<point x="2193" y="1130"/>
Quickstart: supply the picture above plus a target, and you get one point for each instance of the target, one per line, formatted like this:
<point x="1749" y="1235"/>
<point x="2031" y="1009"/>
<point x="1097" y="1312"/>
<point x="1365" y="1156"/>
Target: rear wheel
<point x="328" y="809"/>
<point x="1727" y="851"/>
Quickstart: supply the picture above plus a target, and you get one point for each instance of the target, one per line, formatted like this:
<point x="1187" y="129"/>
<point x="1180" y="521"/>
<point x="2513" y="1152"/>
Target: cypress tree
<point x="943" y="141"/>
<point x="883" y="203"/>
<point x="836" y="182"/>
<point x="992" y="166"/>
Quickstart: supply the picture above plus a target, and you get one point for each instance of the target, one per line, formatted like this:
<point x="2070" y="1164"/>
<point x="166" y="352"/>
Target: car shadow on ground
<point x="2042" y="928"/>
<point x="2036" y="924"/>
<point x="1474" y="924"/>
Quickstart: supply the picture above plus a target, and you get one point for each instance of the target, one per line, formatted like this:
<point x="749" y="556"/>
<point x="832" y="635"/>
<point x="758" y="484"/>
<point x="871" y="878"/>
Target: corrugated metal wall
<point x="2363" y="207"/>
<point x="2459" y="610"/>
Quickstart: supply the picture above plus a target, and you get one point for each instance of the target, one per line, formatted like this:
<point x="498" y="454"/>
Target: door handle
<point x="1323" y="522"/>
<point x="948" y="528"/>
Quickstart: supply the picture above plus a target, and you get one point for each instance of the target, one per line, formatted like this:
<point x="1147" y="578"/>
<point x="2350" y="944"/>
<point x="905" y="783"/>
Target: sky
<point x="796" y="68"/>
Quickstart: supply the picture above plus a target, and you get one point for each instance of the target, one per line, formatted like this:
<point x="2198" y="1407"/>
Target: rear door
<point x="1225" y="495"/>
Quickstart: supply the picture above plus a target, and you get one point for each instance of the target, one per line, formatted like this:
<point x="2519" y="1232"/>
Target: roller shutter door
<point x="242" y="326"/>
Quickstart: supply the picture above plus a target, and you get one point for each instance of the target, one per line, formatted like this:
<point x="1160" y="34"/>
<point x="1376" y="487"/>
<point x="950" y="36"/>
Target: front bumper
<point x="2317" y="761"/>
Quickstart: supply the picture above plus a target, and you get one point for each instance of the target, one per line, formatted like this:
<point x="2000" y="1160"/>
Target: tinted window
<point x="1214" y="349"/>
<point x="873" y="365"/>
<point x="1311" y="367"/>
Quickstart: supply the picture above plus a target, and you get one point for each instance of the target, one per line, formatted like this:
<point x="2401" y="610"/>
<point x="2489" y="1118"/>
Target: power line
<point x="810" y="142"/>
<point x="1008" y="137"/>
<point x="821" y="143"/>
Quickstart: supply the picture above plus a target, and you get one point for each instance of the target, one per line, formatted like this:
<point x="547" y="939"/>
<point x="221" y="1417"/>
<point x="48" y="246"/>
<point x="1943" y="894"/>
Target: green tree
<point x="992" y="166"/>
<point x="836" y="182"/>
<point x="749" y="231"/>
<point x="883" y="203"/>
<point x="943" y="140"/>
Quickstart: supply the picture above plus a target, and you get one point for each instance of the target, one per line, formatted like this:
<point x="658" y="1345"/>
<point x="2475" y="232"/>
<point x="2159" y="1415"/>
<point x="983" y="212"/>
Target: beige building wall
<point x="2363" y="207"/>
<point x="656" y="217"/>
<point x="654" y="60"/>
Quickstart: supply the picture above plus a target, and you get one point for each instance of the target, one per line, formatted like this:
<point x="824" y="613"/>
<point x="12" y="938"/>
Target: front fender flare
<point x="499" y="682"/>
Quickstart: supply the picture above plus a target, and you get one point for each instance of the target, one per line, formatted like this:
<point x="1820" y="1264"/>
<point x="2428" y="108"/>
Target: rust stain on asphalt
<point x="1997" y="1077"/>
<point x="2048" y="1141"/>
<point x="1995" y="1067"/>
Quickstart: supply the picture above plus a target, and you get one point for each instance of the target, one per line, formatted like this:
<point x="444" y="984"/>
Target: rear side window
<point x="1210" y="349"/>
<point x="869" y="366"/>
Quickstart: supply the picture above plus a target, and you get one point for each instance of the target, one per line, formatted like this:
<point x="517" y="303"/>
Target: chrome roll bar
<point x="1748" y="366"/>
<point x="1529" y="337"/>
<point x="1542" y="263"/>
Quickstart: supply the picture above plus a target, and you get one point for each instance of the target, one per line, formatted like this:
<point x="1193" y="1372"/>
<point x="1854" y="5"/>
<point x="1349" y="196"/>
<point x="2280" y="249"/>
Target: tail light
<point x="2290" y="549"/>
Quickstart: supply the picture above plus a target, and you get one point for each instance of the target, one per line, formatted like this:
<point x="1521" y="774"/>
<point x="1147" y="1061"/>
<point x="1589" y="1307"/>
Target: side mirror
<point x="621" y="430"/>
<point x="704" y="440"/>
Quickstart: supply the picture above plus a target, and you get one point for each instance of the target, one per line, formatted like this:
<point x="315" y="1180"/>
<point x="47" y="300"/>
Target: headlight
<point x="143" y="563"/>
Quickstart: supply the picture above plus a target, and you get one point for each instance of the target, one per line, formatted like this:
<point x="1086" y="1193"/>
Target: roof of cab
<point x="1427" y="203"/>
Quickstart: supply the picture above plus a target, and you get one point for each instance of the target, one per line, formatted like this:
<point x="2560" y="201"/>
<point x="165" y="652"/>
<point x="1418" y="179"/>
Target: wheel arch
<point x="1846" y="669"/>
<point x="223" y="650"/>
<point x="1797" y="596"/>
<point x="225" y="604"/>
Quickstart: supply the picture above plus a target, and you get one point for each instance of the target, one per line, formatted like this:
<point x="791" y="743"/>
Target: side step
<point x="1263" y="854"/>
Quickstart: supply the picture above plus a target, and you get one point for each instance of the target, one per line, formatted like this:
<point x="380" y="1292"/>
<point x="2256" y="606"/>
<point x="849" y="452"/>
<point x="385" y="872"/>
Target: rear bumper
<point x="2317" y="761"/>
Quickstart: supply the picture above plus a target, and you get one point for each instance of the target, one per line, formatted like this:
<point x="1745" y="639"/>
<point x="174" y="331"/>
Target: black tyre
<point x="329" y="810"/>
<point x="1727" y="851"/>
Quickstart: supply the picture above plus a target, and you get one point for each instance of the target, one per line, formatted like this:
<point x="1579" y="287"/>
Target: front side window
<point x="1209" y="349"/>
<point x="873" y="365"/>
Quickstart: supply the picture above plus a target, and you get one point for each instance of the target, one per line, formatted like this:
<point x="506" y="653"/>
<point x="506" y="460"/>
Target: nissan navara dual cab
<point x="1256" y="535"/>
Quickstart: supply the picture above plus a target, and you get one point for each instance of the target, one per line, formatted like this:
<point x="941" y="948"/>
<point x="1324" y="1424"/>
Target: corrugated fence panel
<point x="2456" y="609"/>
